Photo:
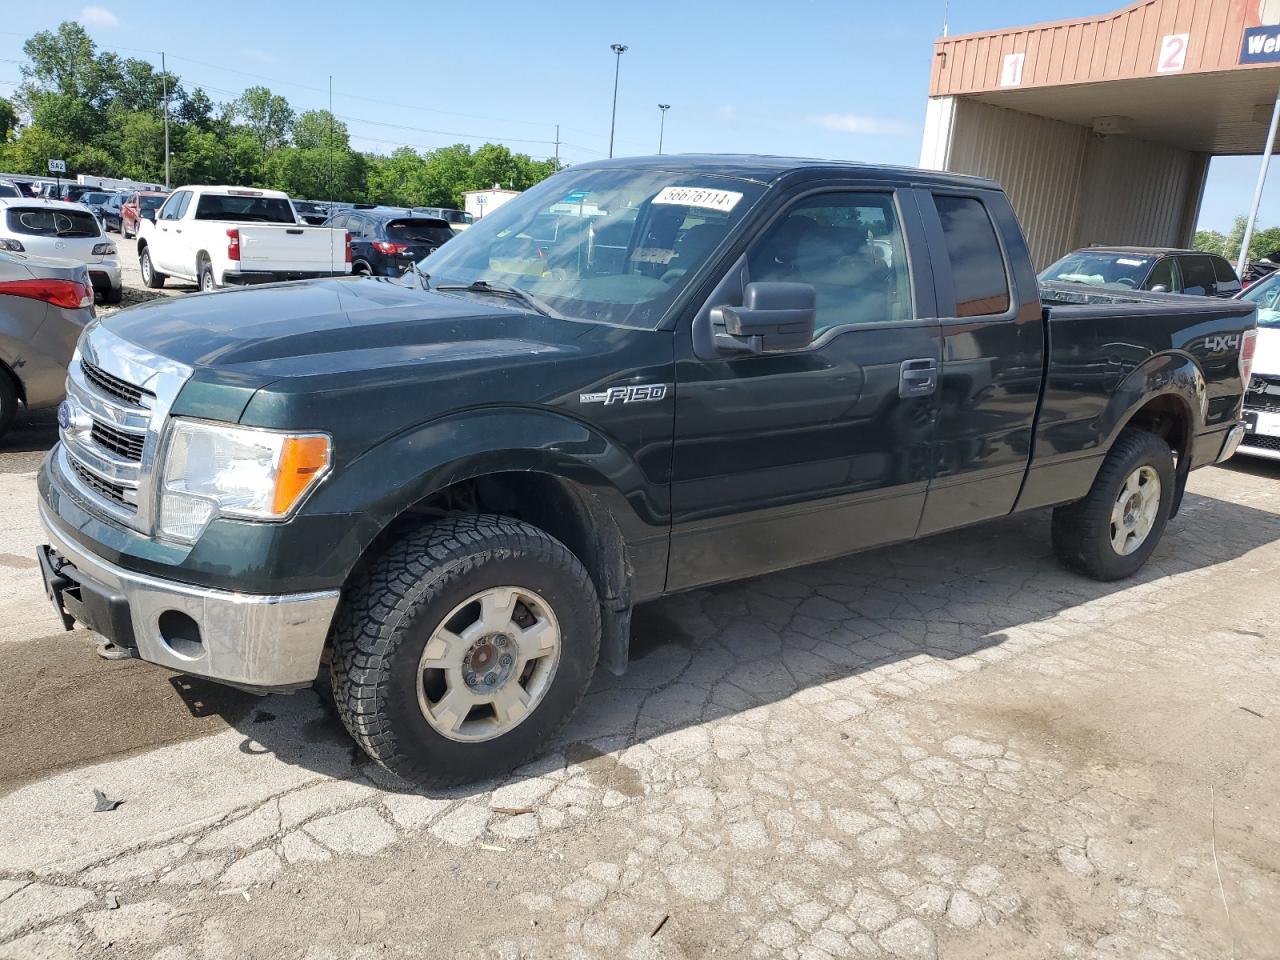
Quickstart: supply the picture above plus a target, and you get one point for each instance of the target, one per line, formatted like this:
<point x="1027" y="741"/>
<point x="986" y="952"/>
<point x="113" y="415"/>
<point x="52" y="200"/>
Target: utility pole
<point x="619" y="49"/>
<point x="946" y="17"/>
<point x="1243" y="260"/>
<point x="662" y="124"/>
<point x="164" y="86"/>
<point x="557" y="146"/>
<point x="328" y="153"/>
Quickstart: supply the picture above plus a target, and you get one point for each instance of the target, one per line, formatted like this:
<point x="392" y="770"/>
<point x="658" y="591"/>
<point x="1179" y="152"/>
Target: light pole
<point x="619" y="49"/>
<point x="662" y="124"/>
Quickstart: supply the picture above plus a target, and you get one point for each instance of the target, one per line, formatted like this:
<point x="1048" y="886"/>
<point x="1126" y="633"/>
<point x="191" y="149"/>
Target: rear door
<point x="992" y="356"/>
<point x="788" y="458"/>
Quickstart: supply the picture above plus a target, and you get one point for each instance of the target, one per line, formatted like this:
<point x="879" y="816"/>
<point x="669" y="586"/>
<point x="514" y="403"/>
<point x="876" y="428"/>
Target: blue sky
<point x="845" y="79"/>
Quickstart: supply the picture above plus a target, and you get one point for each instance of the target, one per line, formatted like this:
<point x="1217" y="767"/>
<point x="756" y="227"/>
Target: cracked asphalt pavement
<point x="949" y="749"/>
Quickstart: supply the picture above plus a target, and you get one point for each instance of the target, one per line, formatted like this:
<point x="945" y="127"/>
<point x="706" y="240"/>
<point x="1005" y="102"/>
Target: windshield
<point x="9" y="190"/>
<point x="1266" y="294"/>
<point x="608" y="245"/>
<point x="1099" y="267"/>
<point x="44" y="222"/>
<point x="251" y="209"/>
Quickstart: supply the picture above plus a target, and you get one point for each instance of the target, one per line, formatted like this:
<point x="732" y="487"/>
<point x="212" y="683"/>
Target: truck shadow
<point x="902" y="613"/>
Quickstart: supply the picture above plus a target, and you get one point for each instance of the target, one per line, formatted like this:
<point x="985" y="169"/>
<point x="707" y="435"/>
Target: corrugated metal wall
<point x="1039" y="162"/>
<point x="1070" y="187"/>
<point x="1136" y="193"/>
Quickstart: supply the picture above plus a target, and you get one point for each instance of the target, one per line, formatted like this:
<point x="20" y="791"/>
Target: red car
<point x="136" y="207"/>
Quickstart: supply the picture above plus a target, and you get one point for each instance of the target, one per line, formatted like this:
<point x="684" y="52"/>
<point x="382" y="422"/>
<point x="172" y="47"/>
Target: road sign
<point x="57" y="166"/>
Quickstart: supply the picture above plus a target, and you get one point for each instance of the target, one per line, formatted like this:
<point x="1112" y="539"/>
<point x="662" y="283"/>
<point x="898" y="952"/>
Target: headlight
<point x="214" y="470"/>
<point x="104" y="249"/>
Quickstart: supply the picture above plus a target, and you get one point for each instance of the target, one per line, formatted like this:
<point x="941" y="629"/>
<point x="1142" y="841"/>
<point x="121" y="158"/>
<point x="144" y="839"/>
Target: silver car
<point x="54" y="228"/>
<point x="44" y="304"/>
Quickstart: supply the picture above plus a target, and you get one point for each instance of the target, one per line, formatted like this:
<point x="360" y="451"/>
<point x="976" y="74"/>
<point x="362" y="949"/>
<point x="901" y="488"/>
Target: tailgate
<point x="286" y="247"/>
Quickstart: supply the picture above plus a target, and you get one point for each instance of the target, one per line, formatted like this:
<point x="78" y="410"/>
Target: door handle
<point x="918" y="378"/>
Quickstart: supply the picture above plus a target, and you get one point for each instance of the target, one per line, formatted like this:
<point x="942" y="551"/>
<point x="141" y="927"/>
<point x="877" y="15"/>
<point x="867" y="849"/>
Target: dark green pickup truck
<point x="640" y="377"/>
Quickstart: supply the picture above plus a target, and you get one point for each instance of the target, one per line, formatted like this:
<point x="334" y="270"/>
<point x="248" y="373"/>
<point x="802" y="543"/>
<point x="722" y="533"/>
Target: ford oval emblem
<point x="64" y="415"/>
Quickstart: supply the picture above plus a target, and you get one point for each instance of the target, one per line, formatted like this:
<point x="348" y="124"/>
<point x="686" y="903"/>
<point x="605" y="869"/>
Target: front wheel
<point x="464" y="648"/>
<point x="1111" y="532"/>
<point x="150" y="276"/>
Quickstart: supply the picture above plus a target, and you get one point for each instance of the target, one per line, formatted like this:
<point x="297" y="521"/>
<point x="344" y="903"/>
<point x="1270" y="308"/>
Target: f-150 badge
<point x="639" y="393"/>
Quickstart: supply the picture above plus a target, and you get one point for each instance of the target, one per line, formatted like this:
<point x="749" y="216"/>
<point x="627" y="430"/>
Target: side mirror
<point x="774" y="317"/>
<point x="1159" y="288"/>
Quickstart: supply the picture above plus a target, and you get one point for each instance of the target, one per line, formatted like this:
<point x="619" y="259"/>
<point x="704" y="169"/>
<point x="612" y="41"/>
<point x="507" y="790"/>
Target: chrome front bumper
<point x="268" y="641"/>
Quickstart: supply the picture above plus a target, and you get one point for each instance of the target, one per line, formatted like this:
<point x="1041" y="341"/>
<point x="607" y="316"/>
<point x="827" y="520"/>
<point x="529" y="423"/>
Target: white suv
<point x="66" y="231"/>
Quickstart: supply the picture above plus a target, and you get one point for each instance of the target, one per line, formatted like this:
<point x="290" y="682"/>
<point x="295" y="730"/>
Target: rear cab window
<point x="978" y="271"/>
<point x="47" y="222"/>
<point x="247" y="207"/>
<point x="1224" y="272"/>
<point x="1198" y="278"/>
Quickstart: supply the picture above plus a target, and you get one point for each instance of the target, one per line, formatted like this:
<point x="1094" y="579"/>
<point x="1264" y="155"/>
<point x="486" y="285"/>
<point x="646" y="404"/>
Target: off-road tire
<point x="8" y="400"/>
<point x="388" y="615"/>
<point x="153" y="278"/>
<point x="1082" y="530"/>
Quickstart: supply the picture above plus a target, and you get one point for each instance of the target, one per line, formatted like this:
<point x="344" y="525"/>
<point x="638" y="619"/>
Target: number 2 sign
<point x="1173" y="53"/>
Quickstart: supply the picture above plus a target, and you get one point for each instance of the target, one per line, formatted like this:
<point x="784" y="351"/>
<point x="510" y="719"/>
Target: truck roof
<point x="225" y="188"/>
<point x="769" y="169"/>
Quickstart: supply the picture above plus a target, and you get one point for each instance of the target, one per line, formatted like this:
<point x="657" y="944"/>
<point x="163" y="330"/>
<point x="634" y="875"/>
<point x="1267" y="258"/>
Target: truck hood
<point x="327" y="326"/>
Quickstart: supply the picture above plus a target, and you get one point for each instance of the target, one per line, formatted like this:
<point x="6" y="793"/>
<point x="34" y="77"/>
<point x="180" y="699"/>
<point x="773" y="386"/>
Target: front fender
<point x="380" y="484"/>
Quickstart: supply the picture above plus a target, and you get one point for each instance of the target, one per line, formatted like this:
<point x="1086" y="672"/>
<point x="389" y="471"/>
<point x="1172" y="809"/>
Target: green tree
<point x="267" y="115"/>
<point x="8" y="119"/>
<point x="195" y="109"/>
<point x="1211" y="241"/>
<point x="319" y="128"/>
<point x="31" y="150"/>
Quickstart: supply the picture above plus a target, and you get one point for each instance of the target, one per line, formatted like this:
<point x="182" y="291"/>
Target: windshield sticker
<point x="652" y="255"/>
<point x="722" y="200"/>
<point x="1130" y="263"/>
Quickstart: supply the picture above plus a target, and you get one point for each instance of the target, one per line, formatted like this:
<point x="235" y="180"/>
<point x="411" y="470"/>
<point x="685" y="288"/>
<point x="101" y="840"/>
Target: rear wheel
<point x="1111" y="532"/>
<point x="464" y="648"/>
<point x="150" y="276"/>
<point x="207" y="282"/>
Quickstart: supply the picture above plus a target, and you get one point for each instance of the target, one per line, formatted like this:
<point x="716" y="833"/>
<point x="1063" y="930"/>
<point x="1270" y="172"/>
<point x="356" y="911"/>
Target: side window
<point x="1197" y="276"/>
<point x="355" y="227"/>
<point x="849" y="247"/>
<point x="1224" y="272"/>
<point x="1163" y="275"/>
<point x="182" y="208"/>
<point x="338" y="223"/>
<point x="977" y="265"/>
<point x="170" y="209"/>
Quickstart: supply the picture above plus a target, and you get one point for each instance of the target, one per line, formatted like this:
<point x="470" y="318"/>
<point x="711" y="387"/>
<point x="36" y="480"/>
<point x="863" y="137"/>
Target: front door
<point x="166" y="239"/>
<point x="788" y="458"/>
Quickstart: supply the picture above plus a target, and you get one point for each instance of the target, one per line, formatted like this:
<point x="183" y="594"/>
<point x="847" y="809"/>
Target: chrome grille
<point x="127" y="445"/>
<point x="118" y="396"/>
<point x="112" y="491"/>
<point x="113" y="386"/>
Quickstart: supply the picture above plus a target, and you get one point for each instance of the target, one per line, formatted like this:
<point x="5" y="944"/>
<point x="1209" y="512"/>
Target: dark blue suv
<point x="386" y="240"/>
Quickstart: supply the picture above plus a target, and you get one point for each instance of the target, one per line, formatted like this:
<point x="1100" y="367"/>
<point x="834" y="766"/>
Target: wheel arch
<point x="548" y="470"/>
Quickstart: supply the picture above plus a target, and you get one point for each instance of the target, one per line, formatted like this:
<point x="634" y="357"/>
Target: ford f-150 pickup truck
<point x="223" y="236"/>
<point x="639" y="377"/>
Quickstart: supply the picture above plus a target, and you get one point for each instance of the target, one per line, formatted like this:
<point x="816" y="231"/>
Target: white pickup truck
<point x="220" y="236"/>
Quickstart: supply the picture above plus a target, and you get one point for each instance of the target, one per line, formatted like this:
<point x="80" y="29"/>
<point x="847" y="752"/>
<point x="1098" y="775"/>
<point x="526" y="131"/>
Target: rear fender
<point x="1165" y="375"/>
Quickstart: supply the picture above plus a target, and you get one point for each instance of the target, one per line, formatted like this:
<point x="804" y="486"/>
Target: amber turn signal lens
<point x="303" y="460"/>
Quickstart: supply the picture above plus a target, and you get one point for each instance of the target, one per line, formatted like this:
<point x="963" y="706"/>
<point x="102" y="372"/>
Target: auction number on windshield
<point x="722" y="200"/>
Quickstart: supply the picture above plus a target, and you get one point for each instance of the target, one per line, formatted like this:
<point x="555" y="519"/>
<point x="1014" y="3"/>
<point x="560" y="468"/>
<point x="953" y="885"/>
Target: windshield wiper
<point x="504" y="290"/>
